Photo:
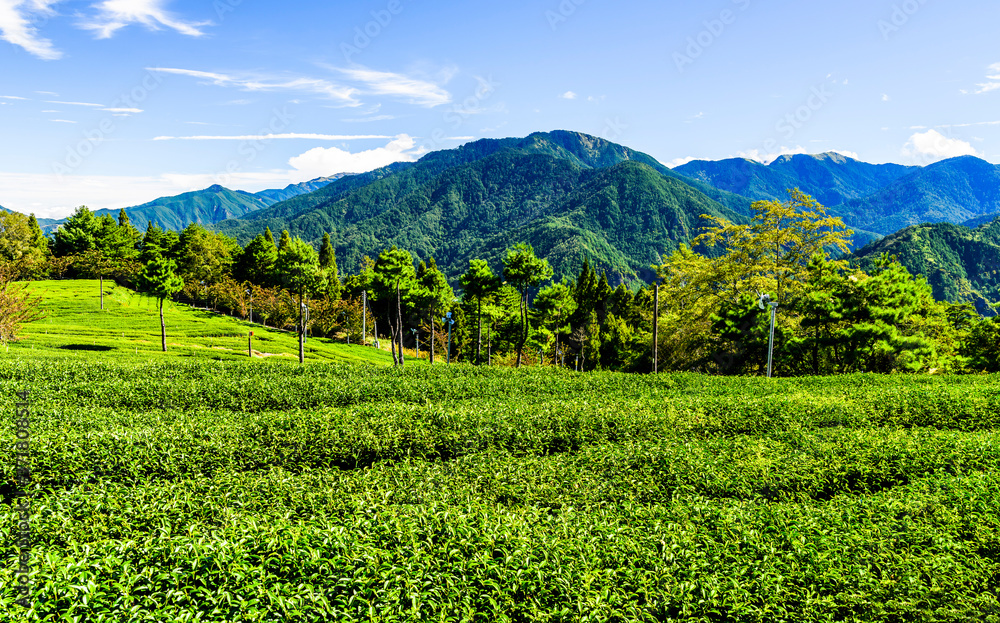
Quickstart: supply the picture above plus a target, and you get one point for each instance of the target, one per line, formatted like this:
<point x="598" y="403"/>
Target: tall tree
<point x="17" y="306"/>
<point x="256" y="262"/>
<point x="20" y="247"/>
<point x="328" y="264"/>
<point x="434" y="295"/>
<point x="298" y="268"/>
<point x="77" y="234"/>
<point x="479" y="283"/>
<point x="524" y="270"/>
<point x="555" y="304"/>
<point x="395" y="284"/>
<point x="161" y="280"/>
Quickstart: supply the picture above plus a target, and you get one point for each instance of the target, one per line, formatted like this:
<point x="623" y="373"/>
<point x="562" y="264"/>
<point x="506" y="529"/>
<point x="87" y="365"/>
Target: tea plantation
<point x="199" y="490"/>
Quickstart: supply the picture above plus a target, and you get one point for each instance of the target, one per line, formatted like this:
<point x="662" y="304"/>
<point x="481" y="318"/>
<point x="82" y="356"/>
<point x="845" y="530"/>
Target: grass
<point x="128" y="328"/>
<point x="175" y="488"/>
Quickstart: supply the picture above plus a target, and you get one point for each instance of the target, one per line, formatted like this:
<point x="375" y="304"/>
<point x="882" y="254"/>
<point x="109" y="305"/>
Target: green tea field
<point x="128" y="328"/>
<point x="203" y="490"/>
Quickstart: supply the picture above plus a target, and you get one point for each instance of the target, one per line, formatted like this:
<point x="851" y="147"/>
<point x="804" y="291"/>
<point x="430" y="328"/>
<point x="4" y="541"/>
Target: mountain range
<point x="205" y="207"/>
<point x="571" y="195"/>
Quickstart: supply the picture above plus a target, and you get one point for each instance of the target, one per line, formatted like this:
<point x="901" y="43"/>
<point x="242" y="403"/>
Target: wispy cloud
<point x="343" y="94"/>
<point x="885" y="97"/>
<point x="568" y="95"/>
<point x="413" y="90"/>
<point x="269" y="137"/>
<point x="968" y="125"/>
<point x="16" y="27"/>
<point x="75" y="104"/>
<point x="993" y="78"/>
<point x="63" y="121"/>
<point x="113" y="15"/>
<point x="12" y="97"/>
<point x="367" y="119"/>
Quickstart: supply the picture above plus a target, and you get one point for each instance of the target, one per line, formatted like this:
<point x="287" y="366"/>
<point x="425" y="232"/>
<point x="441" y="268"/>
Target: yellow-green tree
<point x="769" y="255"/>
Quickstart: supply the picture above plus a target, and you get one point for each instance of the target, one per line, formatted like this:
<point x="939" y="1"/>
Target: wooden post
<point x="250" y="345"/>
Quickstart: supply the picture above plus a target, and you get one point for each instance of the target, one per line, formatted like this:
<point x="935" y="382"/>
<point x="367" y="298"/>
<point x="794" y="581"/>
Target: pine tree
<point x="328" y="264"/>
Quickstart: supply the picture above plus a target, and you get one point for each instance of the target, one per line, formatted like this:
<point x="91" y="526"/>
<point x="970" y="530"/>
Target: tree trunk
<point x="433" y="336"/>
<point x="302" y="345"/>
<point x="656" y="324"/>
<point x="163" y="327"/>
<point x="479" y="335"/>
<point x="524" y="331"/>
<point x="399" y="325"/>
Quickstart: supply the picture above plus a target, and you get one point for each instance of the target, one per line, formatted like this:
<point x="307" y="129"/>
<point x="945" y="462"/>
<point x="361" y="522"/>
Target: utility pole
<point x="364" y="316"/>
<point x="448" y="321"/>
<point x="416" y="339"/>
<point x="250" y="292"/>
<point x="765" y="300"/>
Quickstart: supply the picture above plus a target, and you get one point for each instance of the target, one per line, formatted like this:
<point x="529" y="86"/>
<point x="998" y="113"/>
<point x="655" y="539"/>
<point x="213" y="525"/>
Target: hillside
<point x="960" y="263"/>
<point x="128" y="328"/>
<point x="475" y="200"/>
<point x="954" y="191"/>
<point x="204" y="207"/>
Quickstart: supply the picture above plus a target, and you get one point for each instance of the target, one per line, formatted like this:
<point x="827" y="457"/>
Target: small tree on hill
<point x="161" y="280"/>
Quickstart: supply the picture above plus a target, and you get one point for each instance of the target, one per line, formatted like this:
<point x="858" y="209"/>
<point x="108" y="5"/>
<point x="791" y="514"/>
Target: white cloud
<point x="321" y="161"/>
<point x="568" y="95"/>
<point x="343" y="94"/>
<point x="676" y="162"/>
<point x="16" y="28"/>
<point x="114" y="15"/>
<point x="932" y="146"/>
<point x="885" y="97"/>
<point x="367" y="119"/>
<point x="122" y="112"/>
<point x="419" y="92"/>
<point x="52" y="93"/>
<point x="12" y="97"/>
<point x="75" y="104"/>
<point x="269" y="137"/>
<point x="63" y="121"/>
<point x="768" y="158"/>
<point x="994" y="80"/>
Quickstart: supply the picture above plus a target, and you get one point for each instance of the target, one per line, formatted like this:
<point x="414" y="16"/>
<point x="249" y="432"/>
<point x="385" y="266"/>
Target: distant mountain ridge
<point x="960" y="263"/>
<point x="205" y="207"/>
<point x="570" y="195"/>
<point x="830" y="178"/>
<point x="955" y="190"/>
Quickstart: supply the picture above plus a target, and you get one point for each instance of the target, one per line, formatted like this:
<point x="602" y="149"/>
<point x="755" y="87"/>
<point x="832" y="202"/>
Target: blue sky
<point x="116" y="102"/>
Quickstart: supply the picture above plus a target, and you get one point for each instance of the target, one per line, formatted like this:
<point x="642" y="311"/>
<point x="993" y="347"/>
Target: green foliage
<point x="960" y="264"/>
<point x="232" y="491"/>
